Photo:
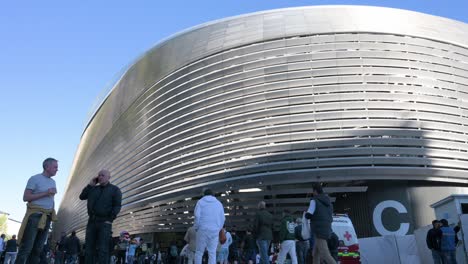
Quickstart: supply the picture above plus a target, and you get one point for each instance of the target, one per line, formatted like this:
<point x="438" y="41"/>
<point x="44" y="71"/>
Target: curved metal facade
<point x="273" y="100"/>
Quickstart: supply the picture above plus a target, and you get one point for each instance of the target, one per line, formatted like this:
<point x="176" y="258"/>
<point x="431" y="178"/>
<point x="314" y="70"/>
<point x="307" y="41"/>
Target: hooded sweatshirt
<point x="322" y="218"/>
<point x="288" y="224"/>
<point x="209" y="214"/>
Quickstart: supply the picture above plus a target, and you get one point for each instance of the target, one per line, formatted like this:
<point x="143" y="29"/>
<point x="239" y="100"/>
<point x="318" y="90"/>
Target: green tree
<point x="3" y="224"/>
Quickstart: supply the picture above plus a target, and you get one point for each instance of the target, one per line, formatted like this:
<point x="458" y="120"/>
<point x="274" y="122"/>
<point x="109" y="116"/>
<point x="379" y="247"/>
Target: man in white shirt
<point x="39" y="193"/>
<point x="209" y="220"/>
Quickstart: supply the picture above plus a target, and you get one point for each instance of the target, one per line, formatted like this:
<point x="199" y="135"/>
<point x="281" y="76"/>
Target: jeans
<point x="97" y="241"/>
<point x="141" y="258"/>
<point x="223" y="255"/>
<point x="206" y="239"/>
<point x="60" y="257"/>
<point x="10" y="257"/>
<point x="33" y="240"/>
<point x="449" y="257"/>
<point x="121" y="256"/>
<point x="190" y="256"/>
<point x="437" y="256"/>
<point x="287" y="247"/>
<point x="301" y="249"/>
<point x="263" y="246"/>
<point x="250" y="254"/>
<point x="72" y="259"/>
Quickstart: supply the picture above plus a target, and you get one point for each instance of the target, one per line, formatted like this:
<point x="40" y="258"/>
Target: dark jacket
<point x="263" y="224"/>
<point x="60" y="246"/>
<point x="287" y="226"/>
<point x="104" y="202"/>
<point x="11" y="246"/>
<point x="249" y="243"/>
<point x="456" y="229"/>
<point x="72" y="245"/>
<point x="433" y="239"/>
<point x="321" y="220"/>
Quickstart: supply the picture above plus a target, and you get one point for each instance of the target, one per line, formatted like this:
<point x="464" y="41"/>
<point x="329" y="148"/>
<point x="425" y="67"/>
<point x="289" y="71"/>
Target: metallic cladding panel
<point x="278" y="98"/>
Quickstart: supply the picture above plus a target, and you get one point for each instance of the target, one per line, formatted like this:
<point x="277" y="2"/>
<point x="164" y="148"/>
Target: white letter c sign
<point x="377" y="217"/>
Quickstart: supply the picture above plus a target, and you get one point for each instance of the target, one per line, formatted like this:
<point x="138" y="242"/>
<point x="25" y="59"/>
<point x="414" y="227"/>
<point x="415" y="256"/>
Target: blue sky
<point x="57" y="58"/>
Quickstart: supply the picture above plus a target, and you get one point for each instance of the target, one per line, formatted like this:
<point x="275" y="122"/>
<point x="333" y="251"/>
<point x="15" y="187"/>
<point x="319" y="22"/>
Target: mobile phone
<point x="95" y="180"/>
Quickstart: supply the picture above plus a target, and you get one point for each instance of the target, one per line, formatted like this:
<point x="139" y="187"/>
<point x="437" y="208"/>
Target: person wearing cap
<point x="122" y="246"/>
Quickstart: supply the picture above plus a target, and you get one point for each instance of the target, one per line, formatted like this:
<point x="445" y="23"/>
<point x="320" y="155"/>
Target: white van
<point x="348" y="249"/>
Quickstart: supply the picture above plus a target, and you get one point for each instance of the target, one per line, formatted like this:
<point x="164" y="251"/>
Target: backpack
<point x="173" y="251"/>
<point x="144" y="247"/>
<point x="305" y="229"/>
<point x="122" y="245"/>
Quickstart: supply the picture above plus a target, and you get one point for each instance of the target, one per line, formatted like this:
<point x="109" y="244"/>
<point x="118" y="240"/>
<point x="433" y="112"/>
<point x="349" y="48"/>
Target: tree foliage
<point x="3" y="224"/>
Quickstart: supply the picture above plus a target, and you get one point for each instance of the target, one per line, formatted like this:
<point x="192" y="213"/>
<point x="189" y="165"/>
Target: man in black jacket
<point x="433" y="239"/>
<point x="104" y="203"/>
<point x="320" y="213"/>
<point x="72" y="248"/>
<point x="10" y="250"/>
<point x="60" y="249"/>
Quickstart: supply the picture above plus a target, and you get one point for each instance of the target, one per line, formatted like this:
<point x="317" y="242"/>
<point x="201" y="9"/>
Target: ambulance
<point x="348" y="245"/>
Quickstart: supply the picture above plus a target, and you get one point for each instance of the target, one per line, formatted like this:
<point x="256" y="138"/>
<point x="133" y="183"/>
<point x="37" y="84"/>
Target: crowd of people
<point x="203" y="239"/>
<point x="209" y="235"/>
<point x="207" y="241"/>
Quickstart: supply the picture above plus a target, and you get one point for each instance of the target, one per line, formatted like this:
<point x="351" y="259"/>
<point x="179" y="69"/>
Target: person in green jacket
<point x="263" y="232"/>
<point x="287" y="238"/>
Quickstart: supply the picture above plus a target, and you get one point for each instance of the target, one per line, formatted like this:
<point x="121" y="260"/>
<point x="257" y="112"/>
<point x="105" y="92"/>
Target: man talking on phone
<point x="104" y="203"/>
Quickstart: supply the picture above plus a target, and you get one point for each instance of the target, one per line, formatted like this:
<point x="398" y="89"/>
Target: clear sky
<point x="57" y="58"/>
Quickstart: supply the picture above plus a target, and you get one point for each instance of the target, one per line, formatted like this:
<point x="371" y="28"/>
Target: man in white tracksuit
<point x="209" y="220"/>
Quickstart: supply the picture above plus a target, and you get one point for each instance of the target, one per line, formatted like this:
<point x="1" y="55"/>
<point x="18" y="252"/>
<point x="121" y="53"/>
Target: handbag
<point x="305" y="232"/>
<point x="222" y="236"/>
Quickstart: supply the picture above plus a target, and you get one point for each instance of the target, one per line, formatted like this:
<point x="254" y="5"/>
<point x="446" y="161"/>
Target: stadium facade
<point x="371" y="101"/>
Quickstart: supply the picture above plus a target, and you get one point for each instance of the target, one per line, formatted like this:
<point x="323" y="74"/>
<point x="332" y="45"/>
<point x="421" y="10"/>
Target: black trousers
<point x="97" y="241"/>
